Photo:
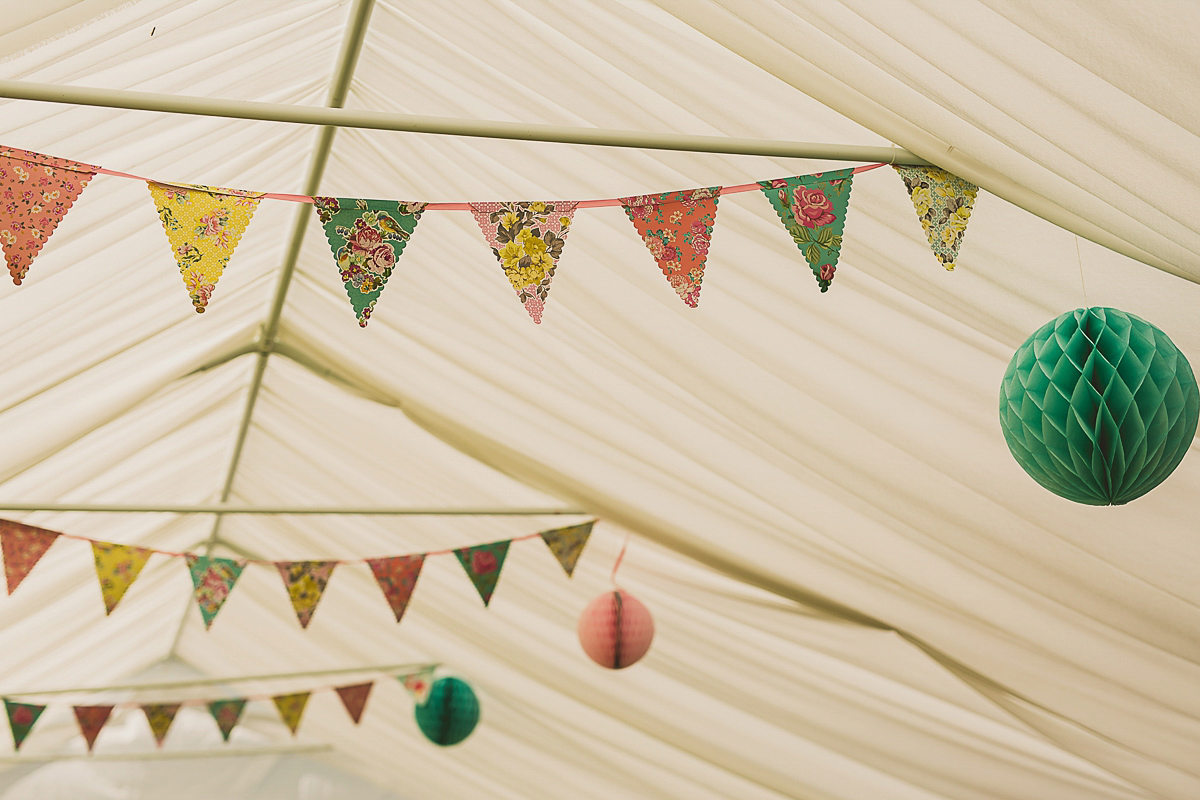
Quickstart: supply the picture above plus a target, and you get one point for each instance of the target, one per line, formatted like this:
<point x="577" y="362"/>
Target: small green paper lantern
<point x="1099" y="406"/>
<point x="450" y="713"/>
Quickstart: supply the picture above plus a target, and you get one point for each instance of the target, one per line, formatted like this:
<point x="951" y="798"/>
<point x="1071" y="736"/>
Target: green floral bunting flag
<point x="943" y="203"/>
<point x="21" y="718"/>
<point x="213" y="579"/>
<point x="483" y="563"/>
<point x="227" y="713"/>
<point x="567" y="544"/>
<point x="813" y="209"/>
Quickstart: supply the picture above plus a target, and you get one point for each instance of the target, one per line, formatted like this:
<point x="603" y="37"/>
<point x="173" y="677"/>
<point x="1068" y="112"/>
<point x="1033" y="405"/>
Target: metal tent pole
<point x="366" y="511"/>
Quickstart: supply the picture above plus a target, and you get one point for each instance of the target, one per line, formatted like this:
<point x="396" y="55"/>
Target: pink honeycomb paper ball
<point x="616" y="629"/>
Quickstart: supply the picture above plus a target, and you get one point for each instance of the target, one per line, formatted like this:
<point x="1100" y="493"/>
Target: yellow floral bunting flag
<point x="305" y="581"/>
<point x="527" y="238"/>
<point x="160" y="716"/>
<point x="943" y="203"/>
<point x="117" y="567"/>
<point x="567" y="544"/>
<point x="291" y="708"/>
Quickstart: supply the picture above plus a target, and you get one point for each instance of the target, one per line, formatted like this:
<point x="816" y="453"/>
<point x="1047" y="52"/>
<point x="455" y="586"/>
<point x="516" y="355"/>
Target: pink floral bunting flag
<point x="227" y="713"/>
<point x="91" y="719"/>
<point x="527" y="239"/>
<point x="291" y="708"/>
<point x="21" y="718"/>
<point x="943" y="203"/>
<point x="117" y="567"/>
<point x="36" y="191"/>
<point x="305" y="582"/>
<point x="567" y="544"/>
<point x="678" y="228"/>
<point x="23" y="546"/>
<point x="397" y="577"/>
<point x="203" y="225"/>
<point x="354" y="698"/>
<point x="160" y="716"/>
<point x="813" y="209"/>
<point x="483" y="563"/>
<point x="418" y="684"/>
<point x="213" y="580"/>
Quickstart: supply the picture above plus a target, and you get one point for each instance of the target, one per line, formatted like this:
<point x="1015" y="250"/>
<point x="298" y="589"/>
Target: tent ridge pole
<point x="222" y="509"/>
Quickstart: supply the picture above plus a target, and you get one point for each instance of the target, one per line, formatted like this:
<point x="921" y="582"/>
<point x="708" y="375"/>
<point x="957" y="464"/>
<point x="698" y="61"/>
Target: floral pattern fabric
<point x="291" y="708"/>
<point x="21" y="718"/>
<point x="397" y="577"/>
<point x="483" y="563"/>
<point x="813" y="209"/>
<point x="160" y="716"/>
<point x="305" y="582"/>
<point x="227" y="713"/>
<point x="678" y="228"/>
<point x="367" y="238"/>
<point x="117" y="567"/>
<point x="943" y="203"/>
<point x="418" y="685"/>
<point x="36" y="191"/>
<point x="213" y="580"/>
<point x="527" y="239"/>
<point x="23" y="546"/>
<point x="567" y="544"/>
<point x="203" y="225"/>
<point x="91" y="719"/>
<point x="354" y="698"/>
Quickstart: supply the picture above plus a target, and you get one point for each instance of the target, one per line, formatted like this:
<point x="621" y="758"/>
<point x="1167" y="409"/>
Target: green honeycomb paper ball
<point x="450" y="713"/>
<point x="1099" y="406"/>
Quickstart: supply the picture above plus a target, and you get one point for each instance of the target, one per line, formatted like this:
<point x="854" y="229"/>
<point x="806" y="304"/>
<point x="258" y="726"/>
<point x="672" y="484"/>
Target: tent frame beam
<point x="364" y="511"/>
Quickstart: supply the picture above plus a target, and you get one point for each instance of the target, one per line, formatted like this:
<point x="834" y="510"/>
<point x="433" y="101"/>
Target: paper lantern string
<point x="617" y="563"/>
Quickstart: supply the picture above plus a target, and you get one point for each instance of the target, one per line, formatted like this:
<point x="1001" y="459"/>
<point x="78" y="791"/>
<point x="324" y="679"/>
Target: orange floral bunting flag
<point x="91" y="719"/>
<point x="354" y="698"/>
<point x="397" y="577"/>
<point x="291" y="708"/>
<point x="305" y="582"/>
<point x="227" y="713"/>
<point x="160" y="716"/>
<point x="23" y="546"/>
<point x="567" y="544"/>
<point x="203" y="225"/>
<point x="117" y="567"/>
<point x="527" y="239"/>
<point x="677" y="227"/>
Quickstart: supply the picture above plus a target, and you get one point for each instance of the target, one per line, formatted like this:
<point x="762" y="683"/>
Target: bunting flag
<point x="354" y="698"/>
<point x="203" y="225"/>
<point x="117" y="567"/>
<point x="21" y="718"/>
<point x="227" y="713"/>
<point x="213" y="580"/>
<point x="397" y="577"/>
<point x="418" y="685"/>
<point x="91" y="719"/>
<point x="367" y="238"/>
<point x="291" y="708"/>
<point x="567" y="544"/>
<point x="160" y="716"/>
<point x="36" y="191"/>
<point x="23" y="546"/>
<point x="527" y="239"/>
<point x="305" y="581"/>
<point x="813" y="209"/>
<point x="943" y="202"/>
<point x="483" y="563"/>
<point x="677" y="227"/>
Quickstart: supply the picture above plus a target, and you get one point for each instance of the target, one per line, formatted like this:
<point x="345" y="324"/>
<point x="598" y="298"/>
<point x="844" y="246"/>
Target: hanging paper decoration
<point x="418" y="685"/>
<point x="943" y="202"/>
<point x="397" y="577"/>
<point x="291" y="708"/>
<point x="677" y="227"/>
<point x="227" y="713"/>
<point x="117" y="567"/>
<point x="354" y="698"/>
<point x="160" y="716"/>
<point x="527" y="239"/>
<point x="813" y="209"/>
<point x="213" y="579"/>
<point x="204" y="225"/>
<point x="91" y="719"/>
<point x="567" y="544"/>
<point x="483" y="563"/>
<point x="36" y="191"/>
<point x="305" y="582"/>
<point x="21" y="718"/>
<point x="450" y="714"/>
<point x="1099" y="406"/>
<point x="367" y="238"/>
<point x="616" y="629"/>
<point x="23" y="546"/>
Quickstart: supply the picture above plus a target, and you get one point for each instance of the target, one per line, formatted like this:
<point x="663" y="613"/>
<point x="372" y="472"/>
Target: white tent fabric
<point x="858" y="593"/>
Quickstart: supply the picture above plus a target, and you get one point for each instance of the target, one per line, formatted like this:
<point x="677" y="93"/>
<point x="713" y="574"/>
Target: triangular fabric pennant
<point x="813" y="209"/>
<point x="483" y="563"/>
<point x="305" y="581"/>
<point x="91" y="719"/>
<point x="117" y="567"/>
<point x="567" y="544"/>
<point x="367" y="238"/>
<point x="213" y="579"/>
<point x="227" y="713"/>
<point x="36" y="191"/>
<point x="397" y="577"/>
<point x="677" y="227"/>
<point x="527" y="239"/>
<point x="23" y="546"/>
<point x="354" y="698"/>
<point x="160" y="716"/>
<point x="21" y="717"/>
<point x="418" y="684"/>
<point x="291" y="708"/>
<point x="943" y="202"/>
<point x="204" y="225"/>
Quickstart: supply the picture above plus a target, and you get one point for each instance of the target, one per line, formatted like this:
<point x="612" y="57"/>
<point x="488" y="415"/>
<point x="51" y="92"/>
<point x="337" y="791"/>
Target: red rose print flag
<point x="397" y="577"/>
<point x="21" y="718"/>
<point x="677" y="227"/>
<point x="813" y="209"/>
<point x="483" y="563"/>
<point x="213" y="580"/>
<point x="23" y="546"/>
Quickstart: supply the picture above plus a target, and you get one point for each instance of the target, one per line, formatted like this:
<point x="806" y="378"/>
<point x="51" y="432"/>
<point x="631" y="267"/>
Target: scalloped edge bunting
<point x="567" y="544"/>
<point x="117" y="567"/>
<point x="291" y="708"/>
<point x="943" y="202"/>
<point x="21" y="719"/>
<point x="397" y="578"/>
<point x="305" y="582"/>
<point x="527" y="237"/>
<point x="91" y="720"/>
<point x="677" y="228"/>
<point x="36" y="192"/>
<point x="23" y="546"/>
<point x="212" y="581"/>
<point x="813" y="210"/>
<point x="354" y="698"/>
<point x="483" y="563"/>
<point x="418" y="684"/>
<point x="159" y="717"/>
<point x="227" y="714"/>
